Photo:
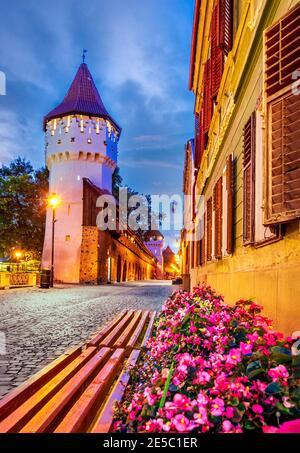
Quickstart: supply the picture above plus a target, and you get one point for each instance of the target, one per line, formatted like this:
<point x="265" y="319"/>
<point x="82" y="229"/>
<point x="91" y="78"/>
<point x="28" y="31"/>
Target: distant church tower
<point x="81" y="142"/>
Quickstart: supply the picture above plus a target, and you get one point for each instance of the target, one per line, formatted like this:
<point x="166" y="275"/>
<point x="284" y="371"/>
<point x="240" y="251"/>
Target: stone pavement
<point x="37" y="325"/>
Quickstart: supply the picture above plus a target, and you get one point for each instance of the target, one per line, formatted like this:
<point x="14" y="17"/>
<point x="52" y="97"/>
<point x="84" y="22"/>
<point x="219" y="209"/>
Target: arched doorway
<point x="119" y="269"/>
<point x="124" y="272"/>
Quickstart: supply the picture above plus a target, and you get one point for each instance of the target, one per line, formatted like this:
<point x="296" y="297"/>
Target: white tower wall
<point x="76" y="147"/>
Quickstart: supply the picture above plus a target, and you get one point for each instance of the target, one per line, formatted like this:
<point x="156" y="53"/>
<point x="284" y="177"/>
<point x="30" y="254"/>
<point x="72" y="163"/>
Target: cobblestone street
<point x="38" y="325"/>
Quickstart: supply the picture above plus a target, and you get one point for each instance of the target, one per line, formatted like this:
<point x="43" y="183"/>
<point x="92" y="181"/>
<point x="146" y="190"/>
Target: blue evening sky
<point x="138" y="54"/>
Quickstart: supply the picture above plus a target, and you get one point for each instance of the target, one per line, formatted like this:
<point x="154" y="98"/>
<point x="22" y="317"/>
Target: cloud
<point x="140" y="163"/>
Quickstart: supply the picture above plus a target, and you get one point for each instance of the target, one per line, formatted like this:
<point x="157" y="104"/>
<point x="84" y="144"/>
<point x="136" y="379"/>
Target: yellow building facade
<point x="248" y="161"/>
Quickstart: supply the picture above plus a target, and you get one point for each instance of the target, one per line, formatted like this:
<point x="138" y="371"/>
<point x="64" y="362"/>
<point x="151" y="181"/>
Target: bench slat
<point x="23" y="392"/>
<point x="16" y="420"/>
<point x="82" y="413"/>
<point x="104" y="421"/>
<point x="42" y="420"/>
<point x="149" y="329"/>
<point x="126" y="334"/>
<point x="135" y="336"/>
<point x="111" y="338"/>
<point x="96" y="340"/>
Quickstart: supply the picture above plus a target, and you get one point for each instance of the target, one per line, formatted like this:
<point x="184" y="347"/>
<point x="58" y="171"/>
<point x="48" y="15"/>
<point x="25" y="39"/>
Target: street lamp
<point x="53" y="202"/>
<point x="18" y="254"/>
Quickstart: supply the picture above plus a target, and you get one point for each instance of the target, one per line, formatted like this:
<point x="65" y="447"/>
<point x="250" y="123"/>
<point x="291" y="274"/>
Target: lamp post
<point x="53" y="202"/>
<point x="18" y="256"/>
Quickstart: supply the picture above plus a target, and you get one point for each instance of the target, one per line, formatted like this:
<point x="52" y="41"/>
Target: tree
<point x="23" y="193"/>
<point x="144" y="220"/>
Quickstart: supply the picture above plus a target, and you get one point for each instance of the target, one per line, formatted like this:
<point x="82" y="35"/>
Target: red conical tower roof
<point x="82" y="98"/>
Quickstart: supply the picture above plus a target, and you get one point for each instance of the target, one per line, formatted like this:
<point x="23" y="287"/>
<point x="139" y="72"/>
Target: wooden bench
<point x="77" y="392"/>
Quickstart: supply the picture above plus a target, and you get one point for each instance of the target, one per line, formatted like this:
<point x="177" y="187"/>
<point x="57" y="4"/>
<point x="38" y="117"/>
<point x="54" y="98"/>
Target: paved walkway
<point x="37" y="325"/>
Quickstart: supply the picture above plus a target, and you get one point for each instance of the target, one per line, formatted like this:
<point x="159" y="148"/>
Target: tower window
<point x="59" y="142"/>
<point x="89" y="140"/>
<point x="72" y="139"/>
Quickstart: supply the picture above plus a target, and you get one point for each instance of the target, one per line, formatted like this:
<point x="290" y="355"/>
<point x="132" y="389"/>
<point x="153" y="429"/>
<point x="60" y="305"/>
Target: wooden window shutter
<point x="218" y="218"/>
<point x="225" y="8"/>
<point x="229" y="189"/>
<point x="209" y="229"/>
<point x="192" y="253"/>
<point x="282" y="52"/>
<point x="217" y="54"/>
<point x="197" y="141"/>
<point x="197" y="253"/>
<point x="249" y="180"/>
<point x="207" y="100"/>
<point x="282" y="57"/>
<point x="284" y="161"/>
<point x="202" y="244"/>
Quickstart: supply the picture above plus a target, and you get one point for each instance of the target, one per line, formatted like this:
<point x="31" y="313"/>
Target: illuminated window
<point x="89" y="140"/>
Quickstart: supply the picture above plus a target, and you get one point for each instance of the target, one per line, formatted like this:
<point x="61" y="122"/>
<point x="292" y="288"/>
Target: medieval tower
<point x="81" y="141"/>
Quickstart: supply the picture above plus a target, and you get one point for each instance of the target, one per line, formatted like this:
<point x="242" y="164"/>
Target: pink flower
<point x="287" y="403"/>
<point x="202" y="377"/>
<point x="229" y="412"/>
<point x="227" y="426"/>
<point x="193" y="328"/>
<point x="202" y="399"/>
<point x="234" y="356"/>
<point x="181" y="423"/>
<point x="182" y="402"/>
<point x="245" y="348"/>
<point x="201" y="416"/>
<point x="269" y="429"/>
<point x="253" y="337"/>
<point x="217" y="407"/>
<point x="290" y="427"/>
<point x="279" y="372"/>
<point x="257" y="409"/>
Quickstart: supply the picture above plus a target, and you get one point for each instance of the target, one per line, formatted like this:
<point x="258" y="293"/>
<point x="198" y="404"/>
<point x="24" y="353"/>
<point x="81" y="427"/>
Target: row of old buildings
<point x="242" y="168"/>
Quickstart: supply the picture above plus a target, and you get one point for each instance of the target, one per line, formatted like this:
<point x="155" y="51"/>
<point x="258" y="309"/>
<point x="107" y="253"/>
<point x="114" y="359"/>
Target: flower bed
<point x="211" y="367"/>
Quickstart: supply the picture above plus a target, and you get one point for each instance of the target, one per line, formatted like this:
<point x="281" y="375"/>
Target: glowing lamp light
<point x="53" y="201"/>
<point x="18" y="254"/>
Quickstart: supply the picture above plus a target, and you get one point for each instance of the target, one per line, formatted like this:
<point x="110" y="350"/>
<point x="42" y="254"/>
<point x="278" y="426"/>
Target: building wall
<point x="270" y="273"/>
<point x="105" y="258"/>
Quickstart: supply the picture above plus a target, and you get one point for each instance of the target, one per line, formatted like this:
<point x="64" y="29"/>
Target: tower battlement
<point x="76" y="134"/>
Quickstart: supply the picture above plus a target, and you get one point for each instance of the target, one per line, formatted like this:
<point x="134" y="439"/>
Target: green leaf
<point x="253" y="369"/>
<point x="296" y="394"/>
<point x="166" y="387"/>
<point x="281" y="354"/>
<point x="238" y="415"/>
<point x="273" y="388"/>
<point x="282" y="408"/>
<point x="235" y="401"/>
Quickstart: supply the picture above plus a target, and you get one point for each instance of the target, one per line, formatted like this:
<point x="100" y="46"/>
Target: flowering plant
<point x="211" y="367"/>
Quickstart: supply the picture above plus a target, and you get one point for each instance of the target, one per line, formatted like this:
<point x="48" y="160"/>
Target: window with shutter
<point x="229" y="190"/>
<point x="218" y="219"/>
<point x="282" y="57"/>
<point x="198" y="155"/>
<point x="207" y="100"/>
<point x="192" y="245"/>
<point x="225" y="24"/>
<point x="249" y="181"/>
<point x="209" y="230"/>
<point x="217" y="54"/>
